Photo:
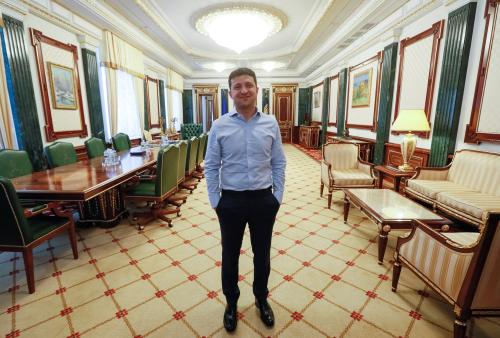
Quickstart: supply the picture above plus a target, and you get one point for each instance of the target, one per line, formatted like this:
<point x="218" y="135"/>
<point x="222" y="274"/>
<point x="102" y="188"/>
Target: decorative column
<point x="24" y="96"/>
<point x="385" y="101"/>
<point x="341" y="103"/>
<point x="163" y="110"/>
<point x="187" y="105"/>
<point x="324" y="113"/>
<point x="451" y="85"/>
<point x="265" y="100"/>
<point x="224" y="101"/>
<point x="304" y="104"/>
<point x="91" y="75"/>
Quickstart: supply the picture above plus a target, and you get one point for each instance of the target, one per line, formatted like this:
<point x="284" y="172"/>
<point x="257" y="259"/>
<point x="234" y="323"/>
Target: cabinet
<point x="309" y="136"/>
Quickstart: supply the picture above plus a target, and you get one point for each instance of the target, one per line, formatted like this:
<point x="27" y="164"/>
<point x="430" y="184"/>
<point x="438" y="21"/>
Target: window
<point x="177" y="108"/>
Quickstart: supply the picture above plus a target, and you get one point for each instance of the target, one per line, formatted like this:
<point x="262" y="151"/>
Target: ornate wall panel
<point x="334" y="99"/>
<point x="363" y="93"/>
<point x="284" y="108"/>
<point x="484" y="125"/>
<point x="394" y="158"/>
<point x="418" y="58"/>
<point x="152" y="103"/>
<point x="58" y="75"/>
<point x="451" y="85"/>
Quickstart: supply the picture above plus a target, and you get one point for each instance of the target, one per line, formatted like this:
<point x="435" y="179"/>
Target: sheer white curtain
<point x="129" y="119"/>
<point x="177" y="108"/>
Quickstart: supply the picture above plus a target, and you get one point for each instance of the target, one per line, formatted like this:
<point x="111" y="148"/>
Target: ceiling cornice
<point x="317" y="14"/>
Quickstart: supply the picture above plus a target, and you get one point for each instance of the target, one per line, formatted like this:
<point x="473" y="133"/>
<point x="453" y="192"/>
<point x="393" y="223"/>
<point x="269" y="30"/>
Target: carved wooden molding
<point x="148" y="102"/>
<point x="436" y="31"/>
<point x="472" y="135"/>
<point x="37" y="38"/>
<point x="373" y="126"/>
<point x="284" y="88"/>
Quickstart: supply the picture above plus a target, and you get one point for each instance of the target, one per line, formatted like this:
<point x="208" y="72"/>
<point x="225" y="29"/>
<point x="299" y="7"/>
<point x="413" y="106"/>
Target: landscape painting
<point x="62" y="86"/>
<point x="361" y="88"/>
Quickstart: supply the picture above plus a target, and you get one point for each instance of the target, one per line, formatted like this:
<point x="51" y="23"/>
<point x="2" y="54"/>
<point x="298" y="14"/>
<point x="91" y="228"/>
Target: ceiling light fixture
<point x="239" y="27"/>
<point x="270" y="65"/>
<point x="219" y="66"/>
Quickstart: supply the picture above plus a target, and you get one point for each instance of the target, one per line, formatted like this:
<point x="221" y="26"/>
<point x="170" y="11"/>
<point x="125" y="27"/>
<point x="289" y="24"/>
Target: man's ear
<point x="230" y="94"/>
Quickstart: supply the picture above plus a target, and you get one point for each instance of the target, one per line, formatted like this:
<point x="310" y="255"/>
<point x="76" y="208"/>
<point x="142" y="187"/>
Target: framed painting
<point x="317" y="99"/>
<point x="361" y="88"/>
<point x="62" y="87"/>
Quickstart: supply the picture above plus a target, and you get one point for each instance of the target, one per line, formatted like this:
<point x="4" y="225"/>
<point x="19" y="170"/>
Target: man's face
<point x="244" y="92"/>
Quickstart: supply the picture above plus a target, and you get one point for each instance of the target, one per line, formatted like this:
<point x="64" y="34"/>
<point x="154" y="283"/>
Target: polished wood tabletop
<point x="82" y="180"/>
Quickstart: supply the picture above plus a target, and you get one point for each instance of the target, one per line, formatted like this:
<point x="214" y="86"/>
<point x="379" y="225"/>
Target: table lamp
<point x="410" y="120"/>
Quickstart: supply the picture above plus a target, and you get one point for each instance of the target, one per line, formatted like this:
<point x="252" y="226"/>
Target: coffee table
<point x="390" y="211"/>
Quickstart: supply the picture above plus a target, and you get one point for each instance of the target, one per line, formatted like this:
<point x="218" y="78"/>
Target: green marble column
<point x="385" y="101"/>
<point x="304" y="105"/>
<point x="187" y="106"/>
<point x="163" y="110"/>
<point x="91" y="75"/>
<point x="451" y="85"/>
<point x="324" y="112"/>
<point x="24" y="96"/>
<point x="341" y="103"/>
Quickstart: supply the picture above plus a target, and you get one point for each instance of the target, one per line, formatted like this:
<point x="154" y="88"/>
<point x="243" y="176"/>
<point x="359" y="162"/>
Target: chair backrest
<point x="14" y="163"/>
<point x="341" y="155"/>
<point x="181" y="171"/>
<point x="95" y="147"/>
<point x="147" y="135"/>
<point x="60" y="153"/>
<point x="201" y="147"/>
<point x="121" y="142"/>
<point x="15" y="229"/>
<point x="189" y="130"/>
<point x="476" y="170"/>
<point x="166" y="170"/>
<point x="192" y="151"/>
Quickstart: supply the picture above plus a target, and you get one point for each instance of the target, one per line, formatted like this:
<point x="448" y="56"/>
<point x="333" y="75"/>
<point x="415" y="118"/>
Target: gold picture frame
<point x="62" y="87"/>
<point x="361" y="88"/>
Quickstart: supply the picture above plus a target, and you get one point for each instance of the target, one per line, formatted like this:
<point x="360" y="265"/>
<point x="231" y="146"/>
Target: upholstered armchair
<point x="180" y="198"/>
<point x="15" y="163"/>
<point x="158" y="188"/>
<point x="95" y="147"/>
<point x="191" y="182"/>
<point x="23" y="230"/>
<point x="121" y="142"/>
<point x="189" y="130"/>
<point x="341" y="167"/>
<point x="460" y="266"/>
<point x="60" y="153"/>
<point x="200" y="156"/>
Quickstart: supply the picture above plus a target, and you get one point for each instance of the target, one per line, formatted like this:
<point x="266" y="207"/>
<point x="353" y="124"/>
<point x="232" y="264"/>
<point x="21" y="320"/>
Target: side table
<point x="392" y="172"/>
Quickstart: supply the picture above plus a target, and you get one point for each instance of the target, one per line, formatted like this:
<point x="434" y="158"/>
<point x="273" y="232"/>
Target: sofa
<point x="467" y="189"/>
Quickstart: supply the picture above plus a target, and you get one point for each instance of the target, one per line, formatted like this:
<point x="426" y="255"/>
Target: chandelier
<point x="239" y="27"/>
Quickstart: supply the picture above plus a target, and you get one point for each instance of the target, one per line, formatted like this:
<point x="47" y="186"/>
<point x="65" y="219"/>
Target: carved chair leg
<point x="329" y="199"/>
<point x="459" y="327"/>
<point x="28" y="267"/>
<point x="396" y="271"/>
<point x="322" y="186"/>
<point x="72" y="239"/>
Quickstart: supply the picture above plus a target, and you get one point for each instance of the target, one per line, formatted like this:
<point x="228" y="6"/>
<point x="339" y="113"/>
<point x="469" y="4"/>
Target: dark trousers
<point x="258" y="208"/>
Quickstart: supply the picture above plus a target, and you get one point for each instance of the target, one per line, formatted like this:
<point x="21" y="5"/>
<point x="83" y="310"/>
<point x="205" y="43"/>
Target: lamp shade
<point x="411" y="120"/>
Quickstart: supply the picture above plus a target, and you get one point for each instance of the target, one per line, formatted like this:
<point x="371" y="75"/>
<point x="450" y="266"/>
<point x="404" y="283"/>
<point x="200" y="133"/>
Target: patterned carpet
<point x="165" y="282"/>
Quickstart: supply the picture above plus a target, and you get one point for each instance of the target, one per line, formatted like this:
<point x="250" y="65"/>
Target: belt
<point x="260" y="192"/>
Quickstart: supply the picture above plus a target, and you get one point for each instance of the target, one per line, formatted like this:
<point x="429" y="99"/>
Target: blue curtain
<point x="224" y="101"/>
<point x="10" y="89"/>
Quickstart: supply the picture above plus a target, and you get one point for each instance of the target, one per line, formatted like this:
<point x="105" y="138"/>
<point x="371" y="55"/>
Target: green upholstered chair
<point x="15" y="163"/>
<point x="191" y="181"/>
<point x="121" y="142"/>
<point x="21" y="233"/>
<point x="200" y="156"/>
<point x="95" y="147"/>
<point x="189" y="130"/>
<point x="60" y="153"/>
<point x="180" y="198"/>
<point x="157" y="188"/>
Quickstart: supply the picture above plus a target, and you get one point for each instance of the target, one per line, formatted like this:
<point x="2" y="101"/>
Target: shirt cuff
<point x="214" y="198"/>
<point x="278" y="195"/>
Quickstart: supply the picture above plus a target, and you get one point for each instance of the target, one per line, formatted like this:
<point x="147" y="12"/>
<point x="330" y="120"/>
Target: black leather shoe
<point x="266" y="313"/>
<point x="230" y="318"/>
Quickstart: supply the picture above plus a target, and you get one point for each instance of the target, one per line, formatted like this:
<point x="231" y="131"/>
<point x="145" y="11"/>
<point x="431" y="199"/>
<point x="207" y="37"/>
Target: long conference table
<point x="84" y="180"/>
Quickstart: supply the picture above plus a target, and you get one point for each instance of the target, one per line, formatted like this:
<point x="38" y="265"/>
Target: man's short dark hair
<point x="239" y="72"/>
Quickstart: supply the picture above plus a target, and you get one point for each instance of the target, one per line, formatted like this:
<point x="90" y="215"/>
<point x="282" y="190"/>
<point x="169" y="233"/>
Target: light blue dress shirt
<point x="244" y="155"/>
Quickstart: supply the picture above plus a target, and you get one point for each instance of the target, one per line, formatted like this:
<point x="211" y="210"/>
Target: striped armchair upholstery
<point x="341" y="167"/>
<point x="461" y="267"/>
<point x="468" y="188"/>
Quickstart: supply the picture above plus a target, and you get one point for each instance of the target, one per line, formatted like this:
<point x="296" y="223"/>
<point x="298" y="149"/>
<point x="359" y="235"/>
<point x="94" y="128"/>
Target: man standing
<point x="245" y="172"/>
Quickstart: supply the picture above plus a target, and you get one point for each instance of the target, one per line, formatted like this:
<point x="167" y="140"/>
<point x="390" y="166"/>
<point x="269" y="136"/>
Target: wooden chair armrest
<point x="431" y="173"/>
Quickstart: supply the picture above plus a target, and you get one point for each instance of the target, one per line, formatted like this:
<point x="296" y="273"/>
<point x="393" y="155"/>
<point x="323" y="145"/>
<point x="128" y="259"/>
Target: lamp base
<point x="406" y="167"/>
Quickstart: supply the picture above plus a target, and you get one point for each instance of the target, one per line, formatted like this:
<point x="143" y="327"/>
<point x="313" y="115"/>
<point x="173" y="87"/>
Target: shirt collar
<point x="234" y="113"/>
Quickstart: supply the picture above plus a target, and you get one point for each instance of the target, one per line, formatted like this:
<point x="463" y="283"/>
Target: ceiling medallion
<point x="239" y="27"/>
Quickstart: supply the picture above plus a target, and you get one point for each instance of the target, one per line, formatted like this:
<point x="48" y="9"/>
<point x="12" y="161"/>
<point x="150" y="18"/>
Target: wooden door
<point x="284" y="108"/>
